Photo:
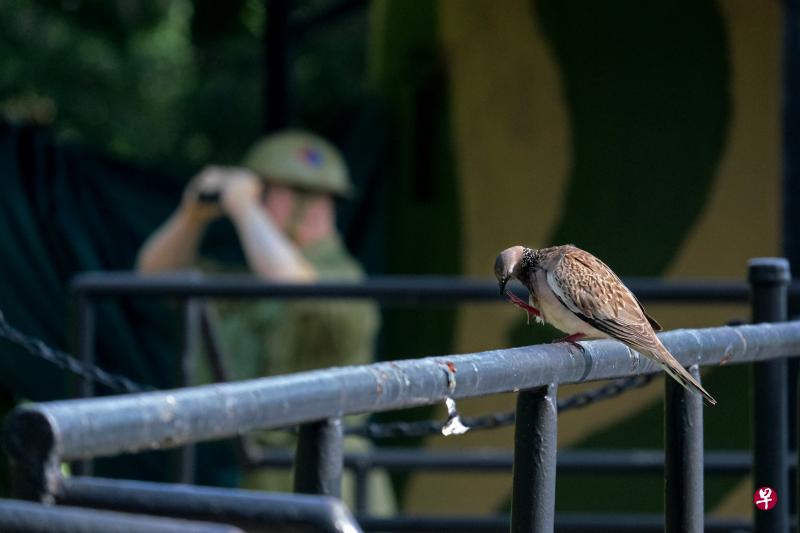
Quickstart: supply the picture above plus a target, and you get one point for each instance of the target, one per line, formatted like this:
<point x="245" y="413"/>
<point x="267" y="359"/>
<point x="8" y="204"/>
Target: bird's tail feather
<point x="672" y="367"/>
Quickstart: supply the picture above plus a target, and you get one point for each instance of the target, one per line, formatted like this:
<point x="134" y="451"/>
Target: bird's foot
<point x="571" y="339"/>
<point x="522" y="304"/>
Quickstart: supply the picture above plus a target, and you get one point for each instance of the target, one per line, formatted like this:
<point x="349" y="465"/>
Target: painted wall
<point x="646" y="133"/>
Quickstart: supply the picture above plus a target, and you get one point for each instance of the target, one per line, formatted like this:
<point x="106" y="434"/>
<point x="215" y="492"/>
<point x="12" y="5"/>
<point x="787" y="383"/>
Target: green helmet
<point x="299" y="159"/>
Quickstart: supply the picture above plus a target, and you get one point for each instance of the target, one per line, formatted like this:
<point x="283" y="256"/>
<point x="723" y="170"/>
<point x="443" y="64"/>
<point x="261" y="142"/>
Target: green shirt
<point x="269" y="337"/>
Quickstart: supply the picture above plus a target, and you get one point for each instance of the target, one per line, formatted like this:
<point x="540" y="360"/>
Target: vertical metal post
<point x="533" y="498"/>
<point x="187" y="373"/>
<point x="791" y="130"/>
<point x="683" y="458"/>
<point x="276" y="71"/>
<point x="31" y="443"/>
<point x="187" y="376"/>
<point x="769" y="279"/>
<point x="85" y="325"/>
<point x="85" y="342"/>
<point x="791" y="189"/>
<point x="319" y="460"/>
<point x="361" y="482"/>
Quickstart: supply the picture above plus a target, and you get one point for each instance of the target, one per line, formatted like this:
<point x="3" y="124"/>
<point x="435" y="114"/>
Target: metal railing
<point x="27" y="517"/>
<point x="189" y="287"/>
<point x="42" y="435"/>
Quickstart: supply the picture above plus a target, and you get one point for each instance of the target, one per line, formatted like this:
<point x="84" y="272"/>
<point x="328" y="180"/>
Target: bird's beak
<point x="502" y="282"/>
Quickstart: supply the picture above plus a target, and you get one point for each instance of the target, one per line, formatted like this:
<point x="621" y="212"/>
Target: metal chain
<point x="65" y="361"/>
<point x="121" y="384"/>
<point x="425" y="428"/>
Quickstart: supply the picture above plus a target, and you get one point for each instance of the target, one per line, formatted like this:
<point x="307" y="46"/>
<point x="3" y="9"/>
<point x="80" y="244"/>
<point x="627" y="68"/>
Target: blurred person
<point x="281" y="202"/>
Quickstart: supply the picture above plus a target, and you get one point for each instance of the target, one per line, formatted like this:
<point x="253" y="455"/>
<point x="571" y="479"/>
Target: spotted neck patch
<point x="528" y="259"/>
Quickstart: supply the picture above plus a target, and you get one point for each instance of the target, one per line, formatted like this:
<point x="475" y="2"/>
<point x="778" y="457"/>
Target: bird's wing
<point x="591" y="290"/>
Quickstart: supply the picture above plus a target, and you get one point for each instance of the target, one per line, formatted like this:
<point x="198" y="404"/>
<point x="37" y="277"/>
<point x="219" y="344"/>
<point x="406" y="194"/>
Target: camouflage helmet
<point x="299" y="159"/>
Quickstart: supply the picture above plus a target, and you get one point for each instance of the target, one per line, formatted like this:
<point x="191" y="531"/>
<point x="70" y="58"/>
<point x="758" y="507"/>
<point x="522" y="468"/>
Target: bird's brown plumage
<point x="571" y="283"/>
<point x="599" y="295"/>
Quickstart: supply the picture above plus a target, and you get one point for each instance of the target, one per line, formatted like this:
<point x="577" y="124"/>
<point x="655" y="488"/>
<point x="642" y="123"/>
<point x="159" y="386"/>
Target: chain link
<point x="65" y="361"/>
<point x="426" y="428"/>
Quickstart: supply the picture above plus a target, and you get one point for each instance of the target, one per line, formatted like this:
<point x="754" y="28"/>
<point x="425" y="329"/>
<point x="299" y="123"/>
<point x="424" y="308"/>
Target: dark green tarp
<point x="67" y="209"/>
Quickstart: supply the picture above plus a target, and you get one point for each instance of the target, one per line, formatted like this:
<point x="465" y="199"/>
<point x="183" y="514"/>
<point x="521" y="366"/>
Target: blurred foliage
<point x="169" y="81"/>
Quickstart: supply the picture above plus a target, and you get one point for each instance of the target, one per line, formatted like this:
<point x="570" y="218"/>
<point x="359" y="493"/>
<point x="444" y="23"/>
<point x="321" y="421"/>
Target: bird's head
<point x="507" y="265"/>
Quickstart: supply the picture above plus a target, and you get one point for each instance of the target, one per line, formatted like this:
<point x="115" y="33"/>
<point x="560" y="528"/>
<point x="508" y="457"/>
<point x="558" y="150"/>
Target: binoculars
<point x="209" y="197"/>
<point x="213" y="196"/>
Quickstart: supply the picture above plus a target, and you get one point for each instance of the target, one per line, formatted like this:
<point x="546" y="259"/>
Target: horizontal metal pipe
<point x="250" y="510"/>
<point x="565" y="523"/>
<point x="569" y="461"/>
<point x="105" y="426"/>
<point x="397" y="289"/>
<point x="26" y="517"/>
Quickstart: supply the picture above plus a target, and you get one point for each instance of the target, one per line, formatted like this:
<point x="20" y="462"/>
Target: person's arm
<point x="174" y="245"/>
<point x="270" y="254"/>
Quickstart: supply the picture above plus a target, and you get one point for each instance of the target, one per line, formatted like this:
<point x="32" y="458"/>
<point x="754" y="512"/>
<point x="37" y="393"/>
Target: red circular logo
<point x="765" y="498"/>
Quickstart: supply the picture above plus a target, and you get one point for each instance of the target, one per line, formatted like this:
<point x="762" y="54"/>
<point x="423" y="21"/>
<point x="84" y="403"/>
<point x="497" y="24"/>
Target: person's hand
<point x="208" y="182"/>
<point x="241" y="190"/>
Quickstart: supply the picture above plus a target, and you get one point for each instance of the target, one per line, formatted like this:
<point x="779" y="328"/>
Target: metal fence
<point x="40" y="436"/>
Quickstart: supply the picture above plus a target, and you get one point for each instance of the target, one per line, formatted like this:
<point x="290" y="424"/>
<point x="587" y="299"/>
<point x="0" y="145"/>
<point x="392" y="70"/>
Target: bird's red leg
<point x="572" y="339"/>
<point x="522" y="304"/>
